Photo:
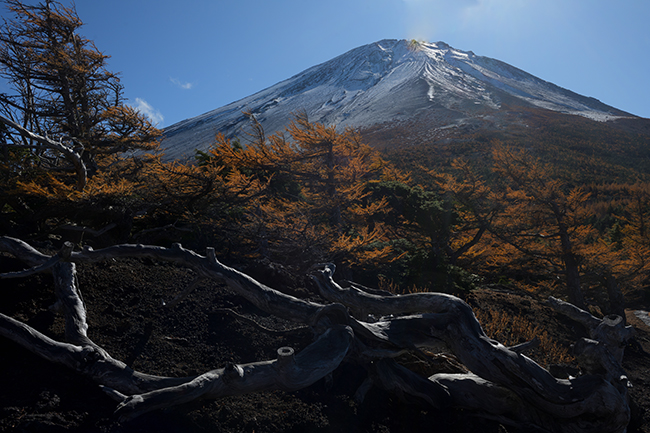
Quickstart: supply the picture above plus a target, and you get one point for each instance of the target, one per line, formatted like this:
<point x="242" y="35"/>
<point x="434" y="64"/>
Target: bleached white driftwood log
<point x="287" y="372"/>
<point x="501" y="384"/>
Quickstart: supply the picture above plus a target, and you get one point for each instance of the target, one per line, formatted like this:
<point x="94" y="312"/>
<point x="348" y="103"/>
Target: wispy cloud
<point x="145" y="108"/>
<point x="181" y="84"/>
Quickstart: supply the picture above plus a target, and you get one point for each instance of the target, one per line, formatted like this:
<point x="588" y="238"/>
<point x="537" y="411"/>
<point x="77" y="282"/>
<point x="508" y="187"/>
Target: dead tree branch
<point x="287" y="372"/>
<point x="68" y="152"/>
<point x="501" y="383"/>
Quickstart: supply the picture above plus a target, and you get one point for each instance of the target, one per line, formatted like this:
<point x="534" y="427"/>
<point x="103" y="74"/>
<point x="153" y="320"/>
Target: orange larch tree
<point x="62" y="100"/>
<point x="63" y="113"/>
<point x="475" y="207"/>
<point x="300" y="193"/>
<point x="542" y="216"/>
<point x="625" y="246"/>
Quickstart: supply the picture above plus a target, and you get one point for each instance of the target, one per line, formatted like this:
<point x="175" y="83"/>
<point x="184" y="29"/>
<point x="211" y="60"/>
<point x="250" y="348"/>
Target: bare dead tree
<point x="500" y="383"/>
<point x="67" y="151"/>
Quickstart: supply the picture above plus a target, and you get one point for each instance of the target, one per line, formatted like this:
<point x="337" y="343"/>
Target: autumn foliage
<point x="562" y="210"/>
<point x="530" y="224"/>
<point x="301" y="194"/>
<point x="312" y="194"/>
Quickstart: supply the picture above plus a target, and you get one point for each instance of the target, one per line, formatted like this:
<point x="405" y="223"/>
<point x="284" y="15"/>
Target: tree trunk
<point x="571" y="261"/>
<point x="616" y="301"/>
<point x="573" y="280"/>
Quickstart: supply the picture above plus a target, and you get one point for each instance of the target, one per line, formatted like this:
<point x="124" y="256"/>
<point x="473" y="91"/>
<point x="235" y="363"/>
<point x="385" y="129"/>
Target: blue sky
<point x="179" y="59"/>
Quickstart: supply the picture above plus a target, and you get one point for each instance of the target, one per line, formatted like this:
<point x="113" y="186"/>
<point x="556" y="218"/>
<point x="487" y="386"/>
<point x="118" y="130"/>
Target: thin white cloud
<point x="182" y="85"/>
<point x="145" y="108"/>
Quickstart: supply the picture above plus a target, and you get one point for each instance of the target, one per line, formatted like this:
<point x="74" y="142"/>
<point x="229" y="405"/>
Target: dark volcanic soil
<point x="209" y="328"/>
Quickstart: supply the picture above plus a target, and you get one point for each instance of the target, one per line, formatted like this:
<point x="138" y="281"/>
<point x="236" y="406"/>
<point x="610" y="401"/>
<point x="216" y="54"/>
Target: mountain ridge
<point x="387" y="81"/>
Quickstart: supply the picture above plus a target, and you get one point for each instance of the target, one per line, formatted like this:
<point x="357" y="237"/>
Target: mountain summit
<point x="387" y="81"/>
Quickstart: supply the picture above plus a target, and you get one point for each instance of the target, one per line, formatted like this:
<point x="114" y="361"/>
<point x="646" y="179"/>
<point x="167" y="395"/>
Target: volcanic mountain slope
<point x="390" y="81"/>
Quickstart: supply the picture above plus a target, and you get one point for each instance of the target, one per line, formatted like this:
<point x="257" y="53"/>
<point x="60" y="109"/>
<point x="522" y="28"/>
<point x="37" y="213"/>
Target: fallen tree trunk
<point x="529" y="394"/>
<point x="287" y="372"/>
<point x="501" y="383"/>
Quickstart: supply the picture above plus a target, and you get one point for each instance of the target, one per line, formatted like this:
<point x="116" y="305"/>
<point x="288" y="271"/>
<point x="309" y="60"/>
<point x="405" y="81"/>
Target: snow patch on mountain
<point x="387" y="81"/>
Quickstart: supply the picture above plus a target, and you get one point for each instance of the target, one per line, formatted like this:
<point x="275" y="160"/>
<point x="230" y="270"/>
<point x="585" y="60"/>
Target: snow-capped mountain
<point x="387" y="81"/>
